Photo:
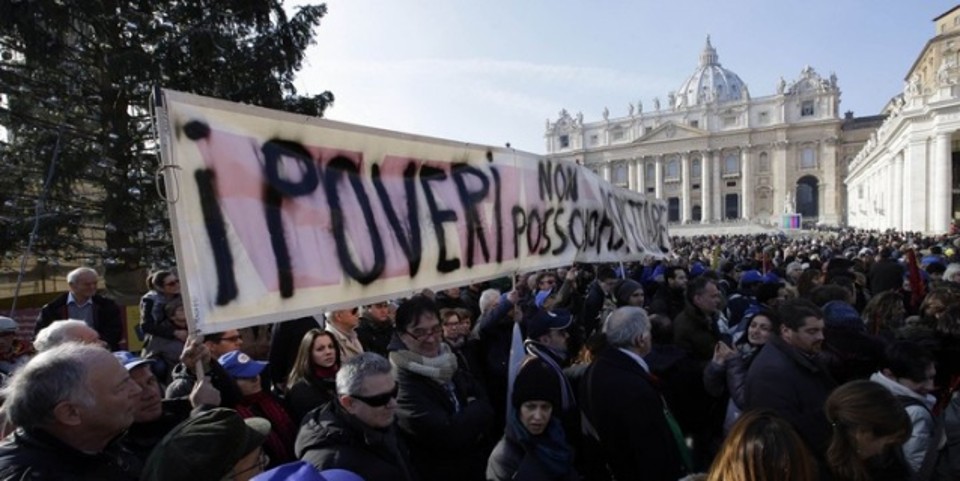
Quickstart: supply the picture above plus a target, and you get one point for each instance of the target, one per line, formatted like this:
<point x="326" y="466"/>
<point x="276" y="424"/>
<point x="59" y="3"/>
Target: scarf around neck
<point x="440" y="368"/>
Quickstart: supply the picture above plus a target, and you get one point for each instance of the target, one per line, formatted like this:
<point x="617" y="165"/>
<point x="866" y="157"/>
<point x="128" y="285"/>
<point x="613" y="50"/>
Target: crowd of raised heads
<point x="832" y="355"/>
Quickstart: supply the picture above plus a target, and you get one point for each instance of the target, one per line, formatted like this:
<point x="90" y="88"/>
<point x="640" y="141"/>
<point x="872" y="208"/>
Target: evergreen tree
<point x="77" y="76"/>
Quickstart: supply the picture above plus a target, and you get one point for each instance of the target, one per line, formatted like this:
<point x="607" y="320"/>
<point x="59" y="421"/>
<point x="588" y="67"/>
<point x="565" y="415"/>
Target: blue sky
<point x="492" y="72"/>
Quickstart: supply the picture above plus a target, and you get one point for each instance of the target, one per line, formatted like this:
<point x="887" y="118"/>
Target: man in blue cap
<point x="154" y="416"/>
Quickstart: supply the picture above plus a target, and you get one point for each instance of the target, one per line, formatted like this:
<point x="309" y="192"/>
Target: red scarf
<point x="326" y="372"/>
<point x="283" y="432"/>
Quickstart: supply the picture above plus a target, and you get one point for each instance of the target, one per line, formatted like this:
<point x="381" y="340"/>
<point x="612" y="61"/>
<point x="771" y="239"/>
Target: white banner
<point x="277" y="216"/>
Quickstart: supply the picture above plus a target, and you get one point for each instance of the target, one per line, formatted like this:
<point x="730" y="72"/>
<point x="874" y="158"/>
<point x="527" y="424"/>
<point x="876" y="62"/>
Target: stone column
<point x="606" y="171"/>
<point x="915" y="186"/>
<point x="941" y="184"/>
<point x="706" y="187"/>
<point x="641" y="175"/>
<point x="716" y="158"/>
<point x="897" y="186"/>
<point x="658" y="178"/>
<point x="746" y="183"/>
<point x="631" y="174"/>
<point x="685" y="187"/>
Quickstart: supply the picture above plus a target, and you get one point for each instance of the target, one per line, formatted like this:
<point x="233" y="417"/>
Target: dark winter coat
<point x="885" y="275"/>
<point x="510" y="461"/>
<point x="445" y="442"/>
<point x="668" y="302"/>
<point x="375" y="336"/>
<point x="37" y="455"/>
<point x="106" y="318"/>
<point x="622" y="403"/>
<point x="795" y="386"/>
<point x="694" y="332"/>
<point x="309" y="394"/>
<point x="332" y="438"/>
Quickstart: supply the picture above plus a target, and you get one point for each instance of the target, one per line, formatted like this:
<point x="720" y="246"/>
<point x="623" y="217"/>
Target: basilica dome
<point x="710" y="83"/>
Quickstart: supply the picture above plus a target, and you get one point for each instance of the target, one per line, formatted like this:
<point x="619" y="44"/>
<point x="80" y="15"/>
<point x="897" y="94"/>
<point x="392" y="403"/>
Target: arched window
<point x="764" y="162"/>
<point x="731" y="164"/>
<point x="695" y="169"/>
<point x="673" y="168"/>
<point x="808" y="158"/>
<point x="651" y="173"/>
<point x="620" y="174"/>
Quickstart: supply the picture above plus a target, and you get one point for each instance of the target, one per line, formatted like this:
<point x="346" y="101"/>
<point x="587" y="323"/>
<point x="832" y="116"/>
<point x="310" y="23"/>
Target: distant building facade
<point x="715" y="153"/>
<point x="906" y="176"/>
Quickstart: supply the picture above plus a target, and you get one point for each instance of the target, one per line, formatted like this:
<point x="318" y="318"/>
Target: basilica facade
<point x="907" y="176"/>
<point x="715" y="153"/>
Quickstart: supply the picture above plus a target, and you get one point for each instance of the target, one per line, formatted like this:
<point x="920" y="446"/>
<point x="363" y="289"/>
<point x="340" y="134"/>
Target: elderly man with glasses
<point x="343" y="325"/>
<point x="357" y="431"/>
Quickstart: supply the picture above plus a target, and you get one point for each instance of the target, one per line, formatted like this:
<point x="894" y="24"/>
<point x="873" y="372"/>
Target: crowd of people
<point x="830" y="356"/>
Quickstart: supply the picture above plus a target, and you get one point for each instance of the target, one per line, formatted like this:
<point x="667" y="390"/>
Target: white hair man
<point x="621" y="400"/>
<point x="70" y="404"/>
<point x="67" y="330"/>
<point x="83" y="303"/>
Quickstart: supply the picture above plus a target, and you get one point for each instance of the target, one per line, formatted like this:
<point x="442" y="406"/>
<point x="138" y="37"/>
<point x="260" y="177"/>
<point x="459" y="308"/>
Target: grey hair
<point x="57" y="333"/>
<point x="352" y="373"/>
<point x="624" y="325"/>
<point x="48" y="379"/>
<point x="488" y="300"/>
<point x="952" y="269"/>
<point x="73" y="275"/>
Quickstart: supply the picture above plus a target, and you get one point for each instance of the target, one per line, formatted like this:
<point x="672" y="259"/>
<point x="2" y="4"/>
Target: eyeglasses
<point x="263" y="460"/>
<point x="460" y="323"/>
<point x="175" y="282"/>
<point x="379" y="400"/>
<point x="421" y="333"/>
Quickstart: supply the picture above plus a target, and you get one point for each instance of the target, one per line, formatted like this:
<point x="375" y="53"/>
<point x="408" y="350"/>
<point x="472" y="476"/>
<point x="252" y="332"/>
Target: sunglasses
<point x="379" y="400"/>
<point x="175" y="282"/>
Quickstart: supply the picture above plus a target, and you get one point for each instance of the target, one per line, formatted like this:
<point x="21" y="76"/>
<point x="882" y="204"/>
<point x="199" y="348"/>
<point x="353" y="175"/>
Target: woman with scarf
<point x="442" y="410"/>
<point x="313" y="380"/>
<point x="727" y="372"/>
<point x="534" y="446"/>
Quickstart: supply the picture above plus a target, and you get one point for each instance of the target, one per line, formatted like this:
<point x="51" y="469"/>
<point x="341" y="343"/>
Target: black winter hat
<point x="536" y="381"/>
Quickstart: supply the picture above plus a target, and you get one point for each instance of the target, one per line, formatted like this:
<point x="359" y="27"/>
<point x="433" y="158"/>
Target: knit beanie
<point x="536" y="381"/>
<point x="624" y="289"/>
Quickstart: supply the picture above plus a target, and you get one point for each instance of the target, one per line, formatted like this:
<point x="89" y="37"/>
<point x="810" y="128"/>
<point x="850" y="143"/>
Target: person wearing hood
<point x="629" y="293"/>
<point x="442" y="410"/>
<point x="908" y="373"/>
<point x="534" y="446"/>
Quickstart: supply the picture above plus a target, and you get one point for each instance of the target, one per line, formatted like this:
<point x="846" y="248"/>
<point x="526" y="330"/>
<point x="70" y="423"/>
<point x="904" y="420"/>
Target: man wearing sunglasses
<point x="343" y="325"/>
<point x="357" y="432"/>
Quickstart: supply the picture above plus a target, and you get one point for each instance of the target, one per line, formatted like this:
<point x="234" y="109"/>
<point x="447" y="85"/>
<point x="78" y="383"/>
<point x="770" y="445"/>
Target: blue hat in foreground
<point x="304" y="471"/>
<point x="240" y="365"/>
<point x="130" y="360"/>
<point x="751" y="277"/>
<point x="545" y="321"/>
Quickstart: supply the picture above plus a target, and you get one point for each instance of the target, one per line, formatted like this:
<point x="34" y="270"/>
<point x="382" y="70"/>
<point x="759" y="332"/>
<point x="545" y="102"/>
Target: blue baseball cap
<point x="545" y="321"/>
<point x="751" y="277"/>
<point x="240" y="365"/>
<point x="541" y="297"/>
<point x="130" y="360"/>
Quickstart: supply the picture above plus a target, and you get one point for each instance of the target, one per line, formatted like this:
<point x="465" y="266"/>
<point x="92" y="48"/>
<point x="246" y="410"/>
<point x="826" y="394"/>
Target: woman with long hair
<point x="762" y="446"/>
<point x="163" y="339"/>
<point x="867" y="420"/>
<point x="727" y="372"/>
<point x="313" y="380"/>
<point x="884" y="314"/>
